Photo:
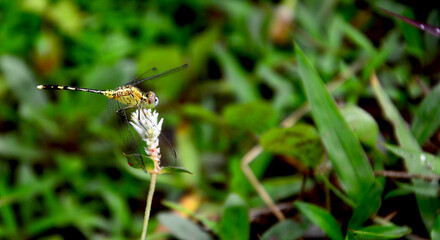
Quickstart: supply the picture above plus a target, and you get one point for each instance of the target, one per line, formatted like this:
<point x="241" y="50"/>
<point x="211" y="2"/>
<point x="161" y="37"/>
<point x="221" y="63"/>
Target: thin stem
<point x="336" y="191"/>
<point x="405" y="175"/>
<point x="153" y="179"/>
<point x="256" y="184"/>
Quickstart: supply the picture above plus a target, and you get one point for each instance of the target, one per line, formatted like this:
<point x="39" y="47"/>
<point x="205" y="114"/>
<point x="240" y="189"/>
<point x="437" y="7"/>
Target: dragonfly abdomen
<point x="61" y="87"/>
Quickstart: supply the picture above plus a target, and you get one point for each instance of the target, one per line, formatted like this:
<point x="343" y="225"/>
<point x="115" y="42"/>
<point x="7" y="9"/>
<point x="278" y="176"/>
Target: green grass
<point x="355" y="89"/>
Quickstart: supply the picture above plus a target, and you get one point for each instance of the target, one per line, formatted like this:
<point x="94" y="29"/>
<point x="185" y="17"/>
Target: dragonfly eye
<point x="157" y="101"/>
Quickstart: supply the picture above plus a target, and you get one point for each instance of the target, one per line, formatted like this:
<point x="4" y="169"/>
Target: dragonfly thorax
<point x="133" y="97"/>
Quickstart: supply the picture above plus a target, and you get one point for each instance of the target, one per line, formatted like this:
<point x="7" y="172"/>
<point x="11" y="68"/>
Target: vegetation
<point x="298" y="120"/>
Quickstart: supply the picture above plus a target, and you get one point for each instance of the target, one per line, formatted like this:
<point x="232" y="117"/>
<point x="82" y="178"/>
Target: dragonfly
<point x="128" y="96"/>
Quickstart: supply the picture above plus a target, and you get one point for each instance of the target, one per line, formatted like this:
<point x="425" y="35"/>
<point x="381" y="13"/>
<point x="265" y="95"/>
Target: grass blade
<point x="342" y="146"/>
<point x="235" y="221"/>
<point x="428" y="206"/>
<point x="427" y="116"/>
<point x="322" y="218"/>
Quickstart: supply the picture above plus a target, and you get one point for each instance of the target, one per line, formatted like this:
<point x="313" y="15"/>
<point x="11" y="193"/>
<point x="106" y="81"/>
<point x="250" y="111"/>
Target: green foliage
<point x="340" y="142"/>
<point x="170" y="169"/>
<point x="428" y="161"/>
<point x="322" y="218"/>
<point x="300" y="141"/>
<point x="182" y="228"/>
<point x="407" y="141"/>
<point x="426" y="118"/>
<point x="212" y="225"/>
<point x="235" y="220"/>
<point x="368" y="206"/>
<point x="132" y="160"/>
<point x="256" y="116"/>
<point x="285" y="230"/>
<point x="379" y="232"/>
<point x="282" y="187"/>
<point x="362" y="124"/>
<point x="435" y="233"/>
<point x="261" y="77"/>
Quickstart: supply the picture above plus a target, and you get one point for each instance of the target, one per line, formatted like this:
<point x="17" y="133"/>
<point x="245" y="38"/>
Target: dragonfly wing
<point x="150" y="72"/>
<point x="168" y="154"/>
<point x="130" y="138"/>
<point x="157" y="76"/>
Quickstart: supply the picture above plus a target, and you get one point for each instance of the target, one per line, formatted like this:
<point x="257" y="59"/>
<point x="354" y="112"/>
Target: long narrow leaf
<point x="427" y="116"/>
<point x="435" y="233"/>
<point x="429" y="161"/>
<point x="342" y="146"/>
<point x="379" y="232"/>
<point x="182" y="228"/>
<point x="236" y="77"/>
<point x="235" y="221"/>
<point x="322" y="218"/>
<point x="368" y="205"/>
<point x="428" y="206"/>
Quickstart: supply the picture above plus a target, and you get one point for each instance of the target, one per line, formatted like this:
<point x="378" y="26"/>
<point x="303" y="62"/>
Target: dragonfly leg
<point x="123" y="109"/>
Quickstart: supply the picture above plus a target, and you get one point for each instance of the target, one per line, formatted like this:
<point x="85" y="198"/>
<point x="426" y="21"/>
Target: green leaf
<point x="197" y="112"/>
<point x="431" y="42"/>
<point x="300" y="141"/>
<point x="435" y="233"/>
<point x="67" y="16"/>
<point x="388" y="48"/>
<point x="234" y="224"/>
<point x="358" y="37"/>
<point x="427" y="116"/>
<point x="182" y="228"/>
<point x="342" y="146"/>
<point x="211" y="224"/>
<point x="412" y="35"/>
<point x="428" y="206"/>
<point x="11" y="146"/>
<point x="282" y="97"/>
<point x="427" y="160"/>
<point x="133" y="161"/>
<point x="322" y="218"/>
<point x="170" y="169"/>
<point x="282" y="187"/>
<point x="234" y="73"/>
<point x="18" y="76"/>
<point x="418" y="188"/>
<point x="379" y="232"/>
<point x="256" y="116"/>
<point x="189" y="156"/>
<point x="285" y="230"/>
<point x="115" y="47"/>
<point x="29" y="190"/>
<point x="9" y="221"/>
<point x="201" y="48"/>
<point x="368" y="205"/>
<point x="362" y="124"/>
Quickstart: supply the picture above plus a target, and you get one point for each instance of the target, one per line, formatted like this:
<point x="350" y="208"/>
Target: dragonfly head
<point x="151" y="100"/>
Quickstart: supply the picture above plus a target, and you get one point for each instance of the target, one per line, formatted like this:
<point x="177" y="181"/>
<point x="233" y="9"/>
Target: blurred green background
<point x="62" y="171"/>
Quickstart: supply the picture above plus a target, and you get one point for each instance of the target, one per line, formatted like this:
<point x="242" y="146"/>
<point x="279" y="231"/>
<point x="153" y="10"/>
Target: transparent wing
<point x="131" y="140"/>
<point x="149" y="73"/>
<point x="145" y="77"/>
<point x="133" y="144"/>
<point x="168" y="154"/>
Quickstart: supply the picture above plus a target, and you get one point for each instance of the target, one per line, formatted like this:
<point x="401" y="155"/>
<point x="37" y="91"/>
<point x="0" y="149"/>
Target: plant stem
<point x="153" y="179"/>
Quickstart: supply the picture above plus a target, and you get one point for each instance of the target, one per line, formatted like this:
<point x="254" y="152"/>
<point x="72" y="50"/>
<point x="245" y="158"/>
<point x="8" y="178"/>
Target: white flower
<point x="144" y="121"/>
